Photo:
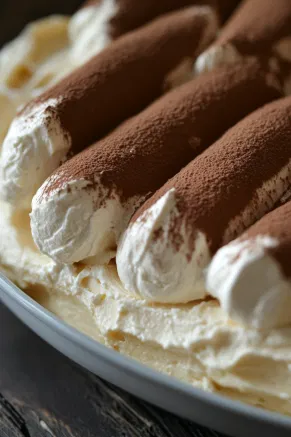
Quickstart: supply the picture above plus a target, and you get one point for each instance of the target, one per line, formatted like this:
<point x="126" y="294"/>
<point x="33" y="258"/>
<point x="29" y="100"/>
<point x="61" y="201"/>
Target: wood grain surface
<point x="44" y="394"/>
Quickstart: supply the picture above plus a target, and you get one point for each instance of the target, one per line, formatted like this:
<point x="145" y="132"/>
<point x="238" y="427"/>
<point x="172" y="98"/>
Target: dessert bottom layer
<point x="195" y="342"/>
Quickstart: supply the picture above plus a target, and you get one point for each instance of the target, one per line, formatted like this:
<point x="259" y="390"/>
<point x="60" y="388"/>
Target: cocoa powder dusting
<point x="257" y="24"/>
<point x="142" y="154"/>
<point x="276" y="224"/>
<point x="124" y="78"/>
<point x="217" y="185"/>
<point x="132" y="14"/>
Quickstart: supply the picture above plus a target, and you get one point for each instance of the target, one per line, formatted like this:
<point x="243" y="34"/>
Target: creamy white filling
<point x="216" y="56"/>
<point x="79" y="222"/>
<point x="37" y="44"/>
<point x="196" y="342"/>
<point x="150" y="265"/>
<point x="89" y="31"/>
<point x="250" y="285"/>
<point x="30" y="63"/>
<point x="33" y="148"/>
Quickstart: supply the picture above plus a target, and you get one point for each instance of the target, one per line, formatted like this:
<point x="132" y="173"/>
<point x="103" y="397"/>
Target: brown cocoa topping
<point x="132" y="14"/>
<point x="142" y="154"/>
<point x="256" y="25"/>
<point x="125" y="77"/>
<point x="218" y="185"/>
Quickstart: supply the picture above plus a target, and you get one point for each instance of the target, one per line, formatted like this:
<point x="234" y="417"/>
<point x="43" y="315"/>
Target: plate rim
<point x="131" y="365"/>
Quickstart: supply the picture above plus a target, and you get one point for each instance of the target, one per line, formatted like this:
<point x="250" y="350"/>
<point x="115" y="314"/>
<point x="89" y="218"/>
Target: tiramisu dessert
<point x="145" y="184"/>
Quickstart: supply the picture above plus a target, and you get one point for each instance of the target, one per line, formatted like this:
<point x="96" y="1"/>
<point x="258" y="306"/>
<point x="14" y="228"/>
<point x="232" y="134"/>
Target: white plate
<point x="211" y="410"/>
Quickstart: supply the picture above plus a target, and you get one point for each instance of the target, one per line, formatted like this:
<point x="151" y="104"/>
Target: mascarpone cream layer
<point x="194" y="342"/>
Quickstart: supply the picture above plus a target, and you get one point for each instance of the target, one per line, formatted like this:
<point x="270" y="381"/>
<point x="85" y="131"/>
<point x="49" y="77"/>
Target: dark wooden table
<point x="44" y="394"/>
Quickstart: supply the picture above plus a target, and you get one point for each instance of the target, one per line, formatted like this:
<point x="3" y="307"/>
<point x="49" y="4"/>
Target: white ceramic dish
<point x="214" y="411"/>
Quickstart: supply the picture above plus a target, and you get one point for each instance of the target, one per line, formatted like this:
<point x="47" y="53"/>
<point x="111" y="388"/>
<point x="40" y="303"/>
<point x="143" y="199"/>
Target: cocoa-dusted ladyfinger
<point x="81" y="210"/>
<point x="112" y="86"/>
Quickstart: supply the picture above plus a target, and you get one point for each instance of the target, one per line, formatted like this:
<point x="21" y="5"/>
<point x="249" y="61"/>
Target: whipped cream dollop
<point x="172" y="278"/>
<point x="27" y="144"/>
<point x="250" y="285"/>
<point x="89" y="30"/>
<point x="216" y="56"/>
<point x="78" y="221"/>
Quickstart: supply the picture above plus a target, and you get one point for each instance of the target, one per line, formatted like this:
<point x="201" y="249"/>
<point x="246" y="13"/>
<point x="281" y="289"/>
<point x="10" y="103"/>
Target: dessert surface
<point x="145" y="174"/>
